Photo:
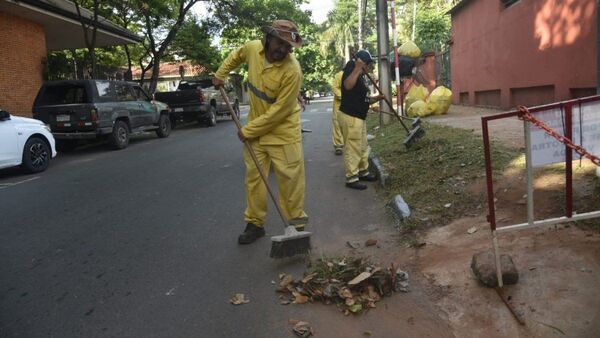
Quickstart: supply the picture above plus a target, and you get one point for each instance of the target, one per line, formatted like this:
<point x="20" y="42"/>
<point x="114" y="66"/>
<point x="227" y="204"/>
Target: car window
<point x="124" y="92"/>
<point x="63" y="94"/>
<point x="106" y="91"/>
<point x="197" y="84"/>
<point x="140" y="94"/>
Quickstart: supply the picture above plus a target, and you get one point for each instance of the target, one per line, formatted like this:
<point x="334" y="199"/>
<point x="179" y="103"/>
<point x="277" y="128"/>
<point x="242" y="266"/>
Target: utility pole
<point x="383" y="50"/>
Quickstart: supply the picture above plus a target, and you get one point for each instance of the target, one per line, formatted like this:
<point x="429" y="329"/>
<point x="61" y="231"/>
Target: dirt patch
<point x="559" y="266"/>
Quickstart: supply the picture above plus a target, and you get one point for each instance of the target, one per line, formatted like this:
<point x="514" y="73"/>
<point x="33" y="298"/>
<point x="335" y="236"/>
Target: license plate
<point x="63" y="118"/>
<point x="178" y="110"/>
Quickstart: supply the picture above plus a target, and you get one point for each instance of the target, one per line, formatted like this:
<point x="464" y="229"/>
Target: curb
<point x="379" y="170"/>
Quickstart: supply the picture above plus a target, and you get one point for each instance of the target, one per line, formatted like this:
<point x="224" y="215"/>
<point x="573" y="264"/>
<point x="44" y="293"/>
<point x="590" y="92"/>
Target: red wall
<point x="534" y="52"/>
<point x="22" y="51"/>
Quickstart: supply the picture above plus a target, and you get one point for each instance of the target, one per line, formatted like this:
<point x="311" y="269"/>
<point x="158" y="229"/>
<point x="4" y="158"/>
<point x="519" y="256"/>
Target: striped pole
<point x="399" y="105"/>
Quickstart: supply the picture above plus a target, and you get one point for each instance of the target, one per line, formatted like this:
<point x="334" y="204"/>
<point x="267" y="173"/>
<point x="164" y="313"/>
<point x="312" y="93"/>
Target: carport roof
<point x="62" y="26"/>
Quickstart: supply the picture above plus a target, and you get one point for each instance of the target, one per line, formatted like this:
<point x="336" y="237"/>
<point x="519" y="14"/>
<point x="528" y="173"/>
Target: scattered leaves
<point x="353" y="284"/>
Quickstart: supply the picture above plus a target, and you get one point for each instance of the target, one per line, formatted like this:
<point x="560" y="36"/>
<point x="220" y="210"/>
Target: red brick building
<point x="28" y="31"/>
<point x="523" y="52"/>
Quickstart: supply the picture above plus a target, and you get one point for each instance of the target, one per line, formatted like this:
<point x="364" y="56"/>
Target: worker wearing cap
<point x="273" y="129"/>
<point x="354" y="107"/>
<point x="336" y="132"/>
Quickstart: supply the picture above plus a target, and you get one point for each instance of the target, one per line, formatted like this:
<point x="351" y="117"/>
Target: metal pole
<point x="396" y="60"/>
<point x="529" y="165"/>
<point x="382" y="51"/>
<point x="414" y="20"/>
<point x="360" y="26"/>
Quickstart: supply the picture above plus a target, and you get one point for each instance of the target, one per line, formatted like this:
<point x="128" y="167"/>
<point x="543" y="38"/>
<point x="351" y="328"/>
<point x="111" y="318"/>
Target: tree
<point x="162" y="19"/>
<point x="193" y="42"/>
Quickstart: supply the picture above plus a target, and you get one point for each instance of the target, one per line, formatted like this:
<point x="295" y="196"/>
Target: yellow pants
<point x="356" y="148"/>
<point x="287" y="162"/>
<point x="336" y="131"/>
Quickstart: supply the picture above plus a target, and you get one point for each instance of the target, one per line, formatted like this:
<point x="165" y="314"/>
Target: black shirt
<point x="355" y="102"/>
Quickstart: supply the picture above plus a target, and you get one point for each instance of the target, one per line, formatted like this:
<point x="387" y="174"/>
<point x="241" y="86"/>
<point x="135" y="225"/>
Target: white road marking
<point x="6" y="185"/>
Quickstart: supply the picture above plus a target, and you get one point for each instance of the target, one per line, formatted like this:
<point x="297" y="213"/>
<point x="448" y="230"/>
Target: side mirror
<point x="4" y="115"/>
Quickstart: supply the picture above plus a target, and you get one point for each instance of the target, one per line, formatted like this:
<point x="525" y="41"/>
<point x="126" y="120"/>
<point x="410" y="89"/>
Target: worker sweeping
<point x="336" y="131"/>
<point x="273" y="131"/>
<point x="354" y="107"/>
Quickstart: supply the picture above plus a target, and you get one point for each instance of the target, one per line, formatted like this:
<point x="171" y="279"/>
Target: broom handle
<point x="254" y="158"/>
<point x="387" y="101"/>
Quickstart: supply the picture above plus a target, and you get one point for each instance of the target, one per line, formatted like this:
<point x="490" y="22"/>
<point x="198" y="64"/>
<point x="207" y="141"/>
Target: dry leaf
<point x="345" y="293"/>
<point x="238" y="299"/>
<point x="302" y="329"/>
<point x="472" y="230"/>
<point x="359" y="278"/>
<point x="300" y="298"/>
<point x="371" y="242"/>
<point x="286" y="280"/>
<point x="309" y="278"/>
<point x="353" y="244"/>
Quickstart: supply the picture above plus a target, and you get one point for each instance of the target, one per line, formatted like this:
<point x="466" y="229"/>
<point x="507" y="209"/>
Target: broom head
<point x="291" y="243"/>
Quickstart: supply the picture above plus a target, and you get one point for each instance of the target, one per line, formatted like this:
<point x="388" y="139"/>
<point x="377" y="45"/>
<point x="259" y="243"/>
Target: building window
<point x="508" y="3"/>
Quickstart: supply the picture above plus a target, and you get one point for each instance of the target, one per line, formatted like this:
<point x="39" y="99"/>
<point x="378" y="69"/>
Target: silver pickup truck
<point x="90" y="109"/>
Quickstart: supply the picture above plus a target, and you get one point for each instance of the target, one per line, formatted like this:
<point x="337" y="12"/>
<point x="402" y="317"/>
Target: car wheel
<point x="119" y="138"/>
<point x="236" y="108"/>
<point x="36" y="155"/>
<point x="164" y="126"/>
<point x="212" y="116"/>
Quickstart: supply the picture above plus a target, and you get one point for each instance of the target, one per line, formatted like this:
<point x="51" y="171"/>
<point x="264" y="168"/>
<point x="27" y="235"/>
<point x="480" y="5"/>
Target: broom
<point x="412" y="135"/>
<point x="292" y="242"/>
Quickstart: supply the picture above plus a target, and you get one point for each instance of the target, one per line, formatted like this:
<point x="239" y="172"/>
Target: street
<point x="142" y="242"/>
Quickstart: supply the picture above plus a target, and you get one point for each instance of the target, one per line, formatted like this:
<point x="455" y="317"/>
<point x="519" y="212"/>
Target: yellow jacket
<point x="337" y="90"/>
<point x="274" y="115"/>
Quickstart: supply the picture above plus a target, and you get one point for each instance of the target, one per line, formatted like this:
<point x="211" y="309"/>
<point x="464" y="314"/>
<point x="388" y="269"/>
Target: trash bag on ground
<point x="440" y="99"/>
<point x="420" y="108"/>
<point x="410" y="49"/>
<point x="415" y="93"/>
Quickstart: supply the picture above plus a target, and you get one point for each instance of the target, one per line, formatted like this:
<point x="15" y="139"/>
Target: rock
<point x="484" y="268"/>
<point x="400" y="207"/>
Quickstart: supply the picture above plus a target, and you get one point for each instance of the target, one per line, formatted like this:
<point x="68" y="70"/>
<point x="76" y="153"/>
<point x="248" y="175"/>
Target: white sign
<point x="546" y="149"/>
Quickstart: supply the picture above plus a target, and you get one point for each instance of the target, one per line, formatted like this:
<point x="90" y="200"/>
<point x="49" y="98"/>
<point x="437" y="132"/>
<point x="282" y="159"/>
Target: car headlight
<point x="47" y="127"/>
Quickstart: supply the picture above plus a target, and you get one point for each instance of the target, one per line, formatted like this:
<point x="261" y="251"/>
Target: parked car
<point x="25" y="142"/>
<point x="91" y="109"/>
<point x="198" y="100"/>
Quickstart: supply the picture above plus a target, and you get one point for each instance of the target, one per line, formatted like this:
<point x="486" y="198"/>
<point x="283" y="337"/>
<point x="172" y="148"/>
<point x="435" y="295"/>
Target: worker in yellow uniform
<point x="273" y="128"/>
<point x="337" y="137"/>
<point x="354" y="107"/>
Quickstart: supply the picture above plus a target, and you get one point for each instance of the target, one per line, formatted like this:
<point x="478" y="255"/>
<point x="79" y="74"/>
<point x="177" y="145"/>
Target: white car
<point x="25" y="142"/>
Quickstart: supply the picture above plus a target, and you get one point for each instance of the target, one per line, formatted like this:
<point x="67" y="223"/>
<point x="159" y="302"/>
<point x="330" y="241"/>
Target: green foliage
<point x="432" y="24"/>
<point x="193" y="42"/>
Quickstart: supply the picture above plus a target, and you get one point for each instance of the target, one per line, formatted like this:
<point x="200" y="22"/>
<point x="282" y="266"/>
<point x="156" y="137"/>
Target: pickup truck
<point x="198" y="100"/>
<point x="91" y="109"/>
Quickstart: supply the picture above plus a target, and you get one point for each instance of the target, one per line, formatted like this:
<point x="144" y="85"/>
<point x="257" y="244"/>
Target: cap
<point x="285" y="30"/>
<point x="365" y="56"/>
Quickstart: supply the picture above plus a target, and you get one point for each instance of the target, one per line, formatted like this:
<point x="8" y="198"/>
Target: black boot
<point x="356" y="185"/>
<point x="251" y="234"/>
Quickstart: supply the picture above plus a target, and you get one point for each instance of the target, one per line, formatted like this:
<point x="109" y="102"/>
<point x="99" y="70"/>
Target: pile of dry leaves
<point x="354" y="284"/>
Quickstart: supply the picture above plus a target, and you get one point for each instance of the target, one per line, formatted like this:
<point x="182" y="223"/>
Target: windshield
<point x="196" y="84"/>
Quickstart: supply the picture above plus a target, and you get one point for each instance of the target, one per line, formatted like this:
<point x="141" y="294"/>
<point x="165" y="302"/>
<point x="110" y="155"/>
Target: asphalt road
<point x="142" y="242"/>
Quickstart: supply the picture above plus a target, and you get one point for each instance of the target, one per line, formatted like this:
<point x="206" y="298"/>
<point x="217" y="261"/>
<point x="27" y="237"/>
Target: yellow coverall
<point x="338" y="139"/>
<point x="356" y="152"/>
<point x="273" y="130"/>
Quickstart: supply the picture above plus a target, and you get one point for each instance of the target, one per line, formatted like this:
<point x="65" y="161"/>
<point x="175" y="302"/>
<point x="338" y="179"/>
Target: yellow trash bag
<point x="441" y="99"/>
<point x="419" y="108"/>
<point x="409" y="49"/>
<point x="415" y="93"/>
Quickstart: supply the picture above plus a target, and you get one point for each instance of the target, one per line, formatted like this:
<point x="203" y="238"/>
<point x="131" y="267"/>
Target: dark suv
<point x="90" y="109"/>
